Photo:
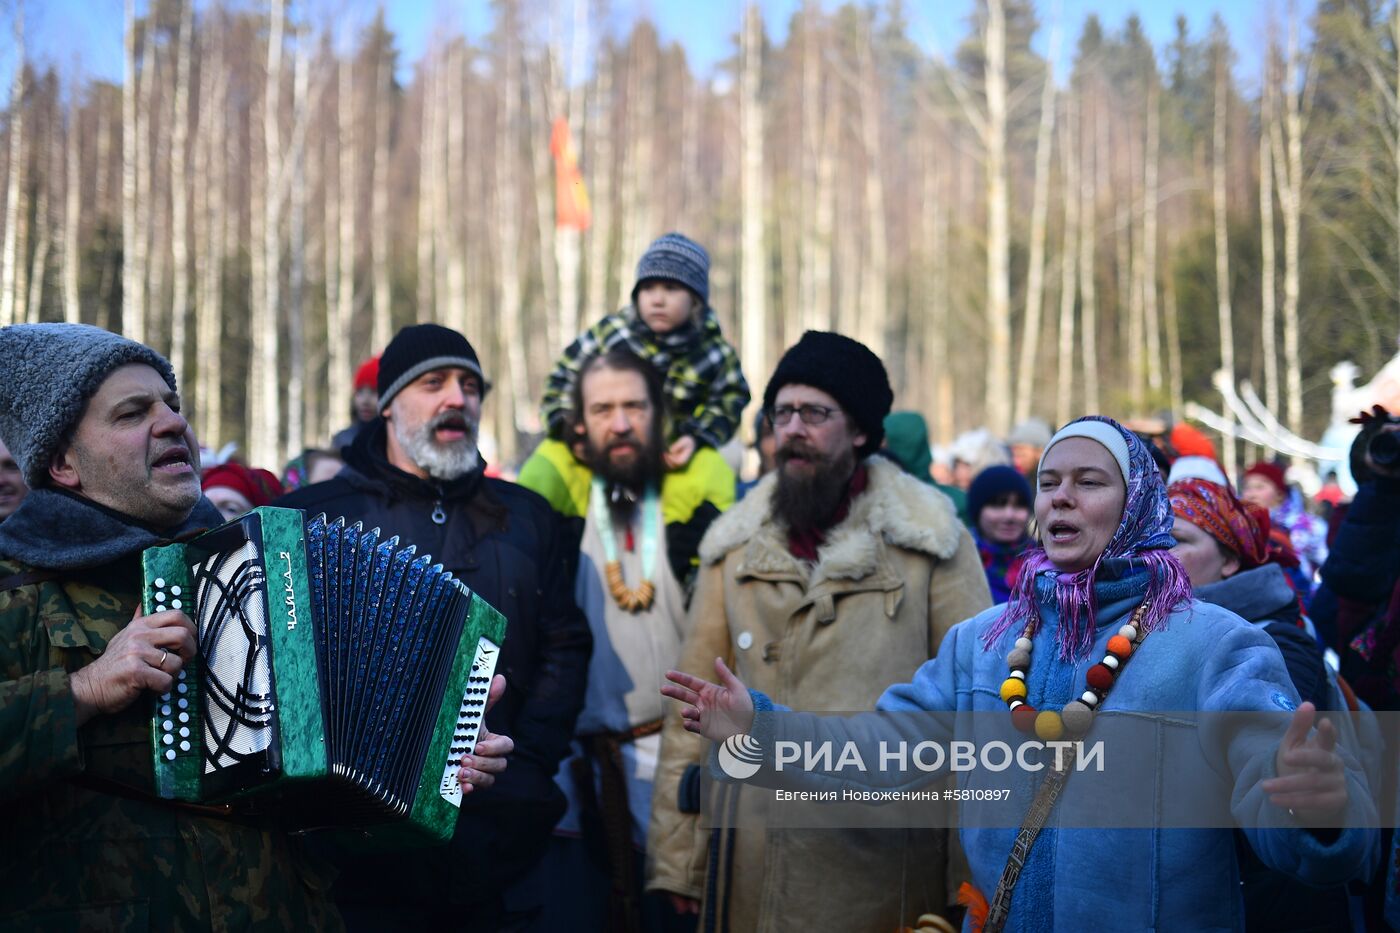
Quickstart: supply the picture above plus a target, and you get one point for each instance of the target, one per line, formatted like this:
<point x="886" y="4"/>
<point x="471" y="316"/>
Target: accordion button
<point x="184" y="746"/>
<point x="169" y="739"/>
<point x="174" y="591"/>
<point x="176" y="604"/>
<point x="165" y="710"/>
<point x="160" y="582"/>
<point x="184" y="688"/>
<point x="184" y="704"/>
<point x="167" y="725"/>
<point x="184" y="717"/>
<point x="170" y="754"/>
<point x="165" y="696"/>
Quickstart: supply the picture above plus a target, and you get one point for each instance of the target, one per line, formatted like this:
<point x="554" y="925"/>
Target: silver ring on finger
<point x="164" y="653"/>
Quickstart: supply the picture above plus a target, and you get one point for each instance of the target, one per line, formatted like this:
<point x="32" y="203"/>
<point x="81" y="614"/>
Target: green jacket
<point x="555" y="473"/>
<point x="906" y="441"/>
<point x="84" y="845"/>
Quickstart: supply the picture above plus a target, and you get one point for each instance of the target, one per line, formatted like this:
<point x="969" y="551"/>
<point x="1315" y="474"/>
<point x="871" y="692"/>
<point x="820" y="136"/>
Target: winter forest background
<point x="1011" y="239"/>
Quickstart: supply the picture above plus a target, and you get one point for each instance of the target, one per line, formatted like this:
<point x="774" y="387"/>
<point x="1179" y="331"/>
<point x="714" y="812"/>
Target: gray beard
<point x="441" y="462"/>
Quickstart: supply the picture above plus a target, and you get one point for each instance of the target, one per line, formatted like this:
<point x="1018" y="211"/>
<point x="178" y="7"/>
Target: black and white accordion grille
<point x="238" y="703"/>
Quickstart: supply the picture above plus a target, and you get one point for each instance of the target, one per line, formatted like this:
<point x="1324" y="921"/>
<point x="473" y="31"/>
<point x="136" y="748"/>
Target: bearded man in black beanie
<point x="836" y="575"/>
<point x="416" y="472"/>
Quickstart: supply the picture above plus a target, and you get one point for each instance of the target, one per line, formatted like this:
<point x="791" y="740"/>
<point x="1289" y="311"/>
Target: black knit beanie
<point x="421" y="348"/>
<point x="846" y="370"/>
<point x="993" y="483"/>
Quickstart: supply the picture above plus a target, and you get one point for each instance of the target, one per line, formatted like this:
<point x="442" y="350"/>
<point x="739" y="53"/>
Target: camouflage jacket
<point x="83" y="845"/>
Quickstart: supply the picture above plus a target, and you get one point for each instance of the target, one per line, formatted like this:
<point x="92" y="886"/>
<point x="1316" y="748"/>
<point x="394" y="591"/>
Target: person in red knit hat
<point x="236" y="489"/>
<point x="1266" y="485"/>
<point x="364" y="405"/>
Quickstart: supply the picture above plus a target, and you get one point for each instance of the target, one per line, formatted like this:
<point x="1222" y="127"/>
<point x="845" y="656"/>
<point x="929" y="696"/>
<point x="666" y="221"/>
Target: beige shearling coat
<point x="889" y="582"/>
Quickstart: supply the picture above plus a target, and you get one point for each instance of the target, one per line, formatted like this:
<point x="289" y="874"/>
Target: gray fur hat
<point x="51" y="370"/>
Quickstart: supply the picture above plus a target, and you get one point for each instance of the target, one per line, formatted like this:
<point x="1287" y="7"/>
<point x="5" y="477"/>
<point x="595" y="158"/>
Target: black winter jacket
<point x="506" y="544"/>
<point x="1360" y="590"/>
<point x="1274" y="901"/>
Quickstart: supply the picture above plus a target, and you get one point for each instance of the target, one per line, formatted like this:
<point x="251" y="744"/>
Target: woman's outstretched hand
<point x="1311" y="782"/>
<point x="715" y="711"/>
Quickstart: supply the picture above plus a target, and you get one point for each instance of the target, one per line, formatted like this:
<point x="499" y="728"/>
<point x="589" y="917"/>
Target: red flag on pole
<point x="571" y="207"/>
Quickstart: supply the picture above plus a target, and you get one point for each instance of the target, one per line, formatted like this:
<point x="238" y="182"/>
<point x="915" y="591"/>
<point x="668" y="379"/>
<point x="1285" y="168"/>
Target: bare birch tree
<point x="296" y="255"/>
<point x="72" y="214"/>
<point x="1088" y="243"/>
<point x="426" y="195"/>
<point x="12" y="257"/>
<point x="265" y="440"/>
<point x="382" y="328"/>
<point x="874" y="318"/>
<point x="179" y="194"/>
<point x="600" y="166"/>
<point x="1222" y="243"/>
<point x="1149" y="239"/>
<point x="1288" y="162"/>
<point x="512" y="333"/>
<point x="998" y="230"/>
<point x="133" y="252"/>
<point x="43" y="228"/>
<point x="1035" y="275"/>
<point x="213" y="129"/>
<point x="754" y="287"/>
<point x="1268" y="310"/>
<point x="1069" y="259"/>
<point x="338" y="338"/>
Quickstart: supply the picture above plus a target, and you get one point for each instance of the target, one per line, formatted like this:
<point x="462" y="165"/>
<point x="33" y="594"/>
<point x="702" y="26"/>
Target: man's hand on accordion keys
<point x="488" y="758"/>
<point x="144" y="655"/>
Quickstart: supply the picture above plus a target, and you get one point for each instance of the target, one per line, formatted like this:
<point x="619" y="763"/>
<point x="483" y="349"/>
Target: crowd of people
<point x="657" y="603"/>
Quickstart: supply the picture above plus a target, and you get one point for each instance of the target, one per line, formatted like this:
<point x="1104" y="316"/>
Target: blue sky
<point x="88" y="33"/>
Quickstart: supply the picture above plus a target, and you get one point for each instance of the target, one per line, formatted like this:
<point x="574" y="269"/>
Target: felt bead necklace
<point x="641" y="598"/>
<point x="1077" y="716"/>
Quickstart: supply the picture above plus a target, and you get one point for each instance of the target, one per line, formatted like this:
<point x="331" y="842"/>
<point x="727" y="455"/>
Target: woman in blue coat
<point x="1101" y="591"/>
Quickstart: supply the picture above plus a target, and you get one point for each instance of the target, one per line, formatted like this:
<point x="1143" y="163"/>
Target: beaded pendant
<point x="1077" y="716"/>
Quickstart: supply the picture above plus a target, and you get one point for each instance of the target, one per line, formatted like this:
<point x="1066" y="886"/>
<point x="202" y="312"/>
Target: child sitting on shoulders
<point x="671" y="325"/>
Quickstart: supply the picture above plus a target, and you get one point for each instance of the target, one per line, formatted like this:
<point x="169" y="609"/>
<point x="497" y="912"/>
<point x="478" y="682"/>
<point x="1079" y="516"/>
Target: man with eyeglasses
<point x="837" y="575"/>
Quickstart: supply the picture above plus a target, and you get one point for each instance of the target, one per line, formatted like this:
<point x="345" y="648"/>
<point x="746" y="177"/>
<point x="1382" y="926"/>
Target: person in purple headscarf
<point x="1102" y="590"/>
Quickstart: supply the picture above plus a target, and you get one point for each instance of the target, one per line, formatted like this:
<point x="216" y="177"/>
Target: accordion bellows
<point x="340" y="677"/>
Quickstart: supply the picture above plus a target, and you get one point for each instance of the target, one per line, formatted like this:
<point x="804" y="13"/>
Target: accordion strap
<point x="27" y="578"/>
<point x="112" y="788"/>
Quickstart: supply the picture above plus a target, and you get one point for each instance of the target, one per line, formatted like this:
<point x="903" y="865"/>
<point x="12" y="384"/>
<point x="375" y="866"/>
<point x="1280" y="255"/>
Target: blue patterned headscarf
<point x="1141" y="544"/>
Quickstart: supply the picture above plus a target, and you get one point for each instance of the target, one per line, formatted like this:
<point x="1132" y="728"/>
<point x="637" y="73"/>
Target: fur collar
<point x="903" y="512"/>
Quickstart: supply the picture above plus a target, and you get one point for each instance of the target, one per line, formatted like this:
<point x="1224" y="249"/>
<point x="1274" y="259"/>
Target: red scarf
<point x="803" y="545"/>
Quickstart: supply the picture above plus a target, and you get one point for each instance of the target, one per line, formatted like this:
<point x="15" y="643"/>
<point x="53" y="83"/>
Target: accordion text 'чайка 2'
<point x="339" y="680"/>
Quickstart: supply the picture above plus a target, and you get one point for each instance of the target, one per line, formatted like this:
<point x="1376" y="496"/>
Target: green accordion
<point x="339" y="680"/>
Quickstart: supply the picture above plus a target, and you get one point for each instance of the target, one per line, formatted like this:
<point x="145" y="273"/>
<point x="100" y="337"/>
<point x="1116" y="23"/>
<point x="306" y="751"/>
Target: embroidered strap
<point x="1031" y="826"/>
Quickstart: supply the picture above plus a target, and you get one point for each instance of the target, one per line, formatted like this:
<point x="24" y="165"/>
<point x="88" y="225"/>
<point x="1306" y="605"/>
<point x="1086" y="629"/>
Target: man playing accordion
<point x="94" y="421"/>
